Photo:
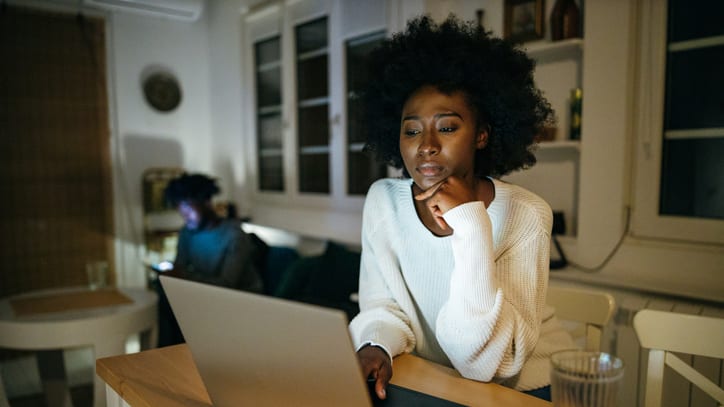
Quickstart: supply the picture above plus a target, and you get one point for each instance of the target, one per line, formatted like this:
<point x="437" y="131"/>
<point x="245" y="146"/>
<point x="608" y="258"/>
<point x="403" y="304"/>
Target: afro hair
<point x="495" y="77"/>
<point x="196" y="188"/>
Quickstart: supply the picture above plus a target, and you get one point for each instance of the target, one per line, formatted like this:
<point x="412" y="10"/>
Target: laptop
<point x="256" y="350"/>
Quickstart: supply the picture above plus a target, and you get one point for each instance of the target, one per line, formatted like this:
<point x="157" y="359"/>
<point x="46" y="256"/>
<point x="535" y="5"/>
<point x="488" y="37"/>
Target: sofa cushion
<point x="278" y="261"/>
<point x="327" y="279"/>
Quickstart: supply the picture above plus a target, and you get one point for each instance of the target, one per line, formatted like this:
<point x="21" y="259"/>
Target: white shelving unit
<point x="547" y="49"/>
<point x="555" y="176"/>
<point x="573" y="145"/>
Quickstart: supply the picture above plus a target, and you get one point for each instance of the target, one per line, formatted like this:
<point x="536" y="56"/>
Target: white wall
<point x="144" y="137"/>
<point x="230" y="141"/>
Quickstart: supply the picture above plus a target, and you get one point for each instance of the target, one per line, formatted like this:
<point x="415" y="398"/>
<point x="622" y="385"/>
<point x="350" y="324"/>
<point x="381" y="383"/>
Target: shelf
<point x="554" y="49"/>
<point x="163" y="221"/>
<point x="560" y="145"/>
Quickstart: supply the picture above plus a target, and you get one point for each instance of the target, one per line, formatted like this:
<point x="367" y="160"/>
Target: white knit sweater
<point x="474" y="300"/>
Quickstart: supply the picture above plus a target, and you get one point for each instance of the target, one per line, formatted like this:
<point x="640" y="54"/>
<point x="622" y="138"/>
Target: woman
<point x="210" y="249"/>
<point x="455" y="262"/>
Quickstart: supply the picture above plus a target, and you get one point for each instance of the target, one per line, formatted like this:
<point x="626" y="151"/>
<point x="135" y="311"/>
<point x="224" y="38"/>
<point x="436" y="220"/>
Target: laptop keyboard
<point x="403" y="397"/>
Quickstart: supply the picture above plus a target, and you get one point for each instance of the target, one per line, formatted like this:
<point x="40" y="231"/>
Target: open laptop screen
<point x="252" y="349"/>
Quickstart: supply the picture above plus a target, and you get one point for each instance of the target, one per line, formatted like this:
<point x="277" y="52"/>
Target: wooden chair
<point x="665" y="332"/>
<point x="592" y="309"/>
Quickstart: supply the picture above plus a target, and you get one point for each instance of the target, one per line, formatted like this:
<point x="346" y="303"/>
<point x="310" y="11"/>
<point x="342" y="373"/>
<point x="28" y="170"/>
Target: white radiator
<point x="623" y="342"/>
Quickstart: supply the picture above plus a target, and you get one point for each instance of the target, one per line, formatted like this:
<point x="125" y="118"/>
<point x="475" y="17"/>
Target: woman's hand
<point x="445" y="195"/>
<point x="376" y="365"/>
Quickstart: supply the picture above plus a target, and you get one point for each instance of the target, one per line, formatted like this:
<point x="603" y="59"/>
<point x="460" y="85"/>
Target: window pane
<point x="362" y="172"/>
<point x="268" y="51"/>
<point x="691" y="167"/>
<point x="314" y="173"/>
<point x="355" y="121"/>
<point x="313" y="126"/>
<point x="269" y="83"/>
<point x="312" y="77"/>
<point x="693" y="184"/>
<point x="313" y="111"/>
<point x="270" y="131"/>
<point x="358" y="50"/>
<point x="695" y="84"/>
<point x="312" y="36"/>
<point x="362" y="169"/>
<point x="270" y="173"/>
<point x="689" y="20"/>
<point x="269" y="121"/>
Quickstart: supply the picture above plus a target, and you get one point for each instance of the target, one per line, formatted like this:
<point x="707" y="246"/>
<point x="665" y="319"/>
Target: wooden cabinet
<point x="305" y="58"/>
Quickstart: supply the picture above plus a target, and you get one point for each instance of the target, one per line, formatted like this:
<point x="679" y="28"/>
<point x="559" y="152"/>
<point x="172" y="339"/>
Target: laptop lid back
<point x="257" y="350"/>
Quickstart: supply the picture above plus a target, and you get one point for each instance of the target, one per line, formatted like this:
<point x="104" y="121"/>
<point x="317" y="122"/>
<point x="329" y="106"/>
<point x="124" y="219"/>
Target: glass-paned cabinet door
<point x="312" y="61"/>
<point x="267" y="55"/>
<point x="362" y="169"/>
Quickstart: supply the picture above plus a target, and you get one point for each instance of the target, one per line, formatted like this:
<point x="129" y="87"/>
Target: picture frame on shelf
<point x="523" y="20"/>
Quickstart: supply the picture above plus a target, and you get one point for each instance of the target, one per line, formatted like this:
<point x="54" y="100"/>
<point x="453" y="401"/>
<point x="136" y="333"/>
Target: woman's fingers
<point x="384" y="374"/>
<point x="430" y="191"/>
<point x="441" y="222"/>
<point x="376" y="365"/>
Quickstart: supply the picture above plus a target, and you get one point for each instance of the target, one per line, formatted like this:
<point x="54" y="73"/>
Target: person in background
<point x="211" y="249"/>
<point x="455" y="261"/>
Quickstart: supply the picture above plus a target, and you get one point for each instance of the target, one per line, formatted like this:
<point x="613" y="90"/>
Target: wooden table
<point x="77" y="317"/>
<point x="167" y="377"/>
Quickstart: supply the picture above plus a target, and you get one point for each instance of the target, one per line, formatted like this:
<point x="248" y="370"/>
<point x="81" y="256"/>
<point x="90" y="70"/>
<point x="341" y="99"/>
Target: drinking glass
<point x="97" y="274"/>
<point x="581" y="378"/>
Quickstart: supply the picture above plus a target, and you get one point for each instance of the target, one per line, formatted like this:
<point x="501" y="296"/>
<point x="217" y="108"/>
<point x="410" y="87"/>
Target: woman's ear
<point x="482" y="137"/>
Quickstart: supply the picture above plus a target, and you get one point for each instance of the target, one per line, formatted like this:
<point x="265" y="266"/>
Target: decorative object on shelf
<point x="480" y="14"/>
<point x="155" y="180"/>
<point x="565" y="20"/>
<point x="547" y="134"/>
<point x="161" y="221"/>
<point x="161" y="89"/>
<point x="576" y="105"/>
<point x="523" y="20"/>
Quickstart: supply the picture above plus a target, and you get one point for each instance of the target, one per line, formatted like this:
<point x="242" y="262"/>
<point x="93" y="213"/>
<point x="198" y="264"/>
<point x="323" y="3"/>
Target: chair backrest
<point x="592" y="309"/>
<point x="665" y="332"/>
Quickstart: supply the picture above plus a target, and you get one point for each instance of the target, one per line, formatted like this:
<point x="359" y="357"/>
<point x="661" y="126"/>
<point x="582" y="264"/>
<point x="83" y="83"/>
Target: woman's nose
<point x="429" y="144"/>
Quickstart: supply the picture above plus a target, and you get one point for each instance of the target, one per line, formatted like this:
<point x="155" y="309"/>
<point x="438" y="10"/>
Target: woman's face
<point x="192" y="213"/>
<point x="439" y="137"/>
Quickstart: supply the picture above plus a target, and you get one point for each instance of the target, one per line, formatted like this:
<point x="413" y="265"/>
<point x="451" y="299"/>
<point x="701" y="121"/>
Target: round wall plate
<point x="162" y="91"/>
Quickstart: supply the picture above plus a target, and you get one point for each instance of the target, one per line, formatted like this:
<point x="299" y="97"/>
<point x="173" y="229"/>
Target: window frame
<point x="646" y="221"/>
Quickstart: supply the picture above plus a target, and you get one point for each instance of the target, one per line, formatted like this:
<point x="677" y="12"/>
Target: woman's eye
<point x="448" y="129"/>
<point x="412" y="132"/>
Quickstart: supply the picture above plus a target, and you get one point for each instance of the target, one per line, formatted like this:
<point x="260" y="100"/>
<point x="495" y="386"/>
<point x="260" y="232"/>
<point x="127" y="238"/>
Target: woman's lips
<point x="430" y="170"/>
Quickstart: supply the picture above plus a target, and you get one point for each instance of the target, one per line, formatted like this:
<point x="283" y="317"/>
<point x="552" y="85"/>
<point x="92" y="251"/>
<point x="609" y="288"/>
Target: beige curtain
<point x="56" y="208"/>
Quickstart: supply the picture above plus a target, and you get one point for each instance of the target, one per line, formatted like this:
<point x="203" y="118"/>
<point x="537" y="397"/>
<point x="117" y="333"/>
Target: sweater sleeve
<point x="381" y="319"/>
<point x="490" y="324"/>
